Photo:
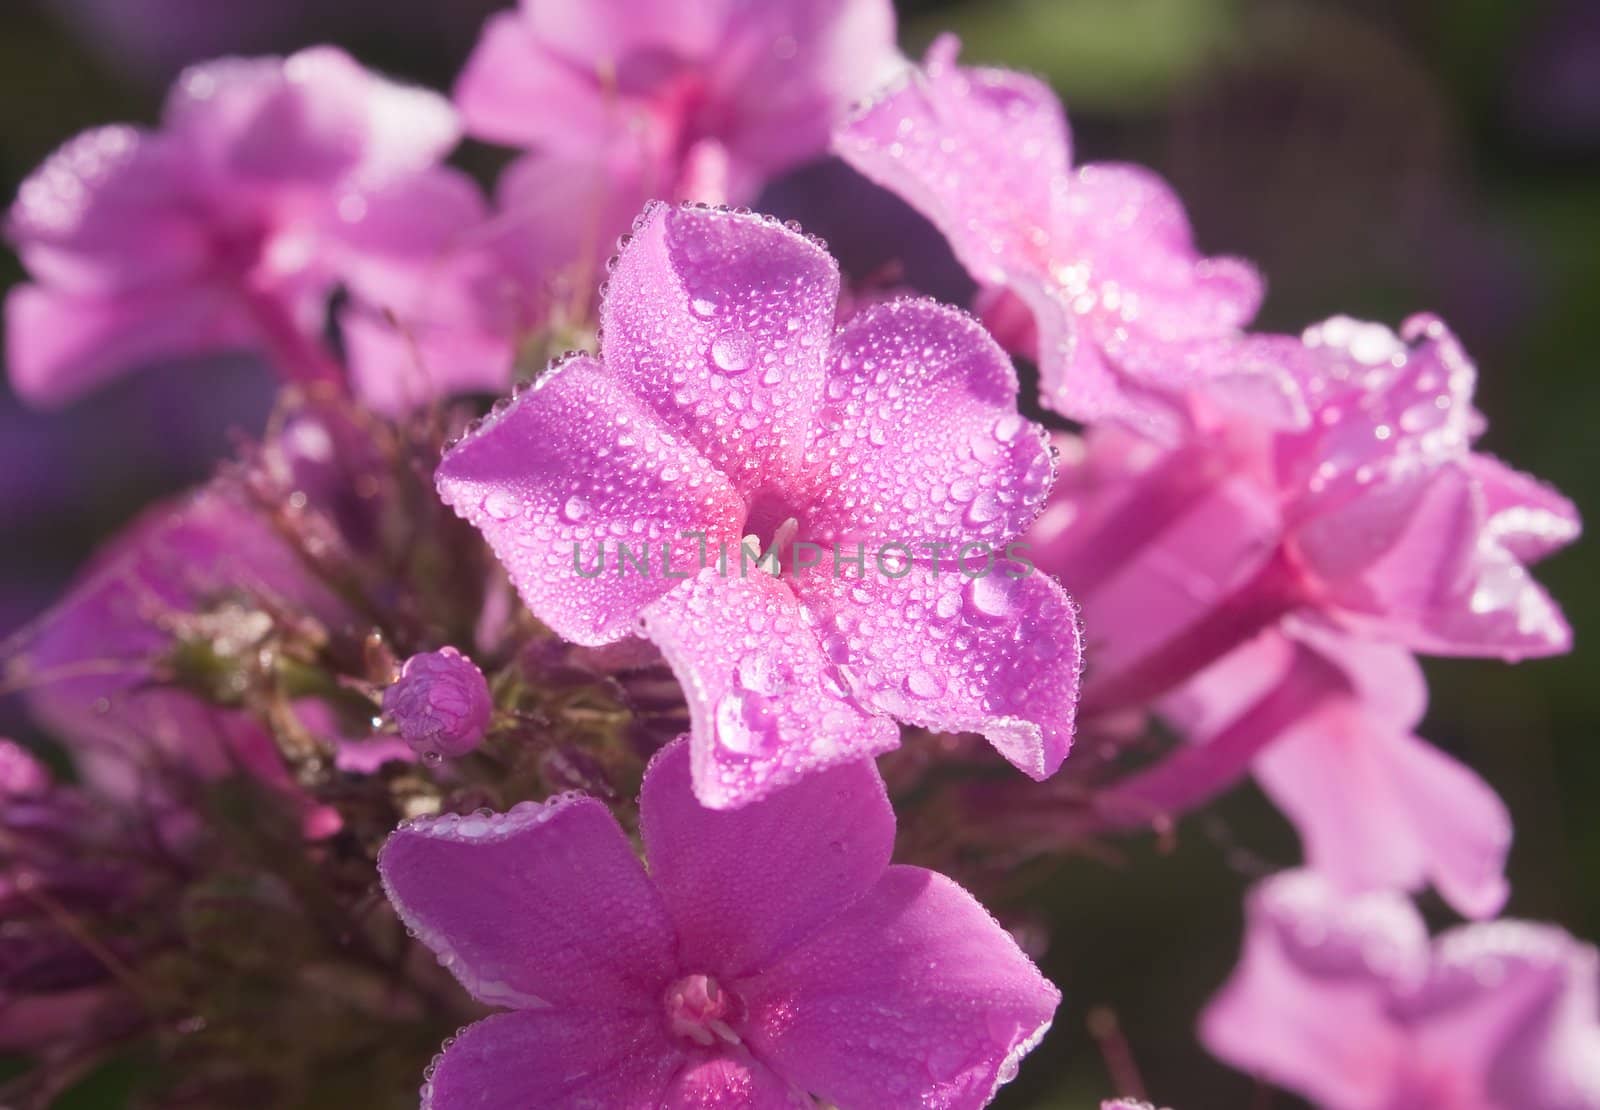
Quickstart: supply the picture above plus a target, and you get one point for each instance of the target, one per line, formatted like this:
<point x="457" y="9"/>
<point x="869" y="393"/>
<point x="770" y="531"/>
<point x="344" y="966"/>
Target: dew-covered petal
<point x="979" y="152"/>
<point x="767" y="706"/>
<point x="61" y="345"/>
<point x="566" y="1056"/>
<point x="913" y="996"/>
<point x="1381" y="809"/>
<point x="574" y="463"/>
<point x="1512" y="1005"/>
<point x="1415" y="561"/>
<point x="1305" y="1008"/>
<point x="1528" y="518"/>
<point x="731" y="1082"/>
<point x="744" y="886"/>
<point x="919" y="436"/>
<point x="720" y="322"/>
<point x="546" y="904"/>
<point x="107" y="211"/>
<point x="996" y="653"/>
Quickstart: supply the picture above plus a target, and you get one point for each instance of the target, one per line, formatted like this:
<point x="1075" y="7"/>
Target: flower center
<point x="770" y="530"/>
<point x="699" y="1010"/>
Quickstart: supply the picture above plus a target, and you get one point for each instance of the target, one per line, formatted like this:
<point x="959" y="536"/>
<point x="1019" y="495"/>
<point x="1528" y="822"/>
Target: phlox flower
<point x="769" y="952"/>
<point x="1346" y="1002"/>
<point x="724" y="406"/>
<point x="269" y="182"/>
<point x="1100" y="256"/>
<point x="1372" y="513"/>
<point x="681" y="102"/>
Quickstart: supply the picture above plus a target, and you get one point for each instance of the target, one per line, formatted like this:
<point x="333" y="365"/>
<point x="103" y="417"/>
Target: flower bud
<point x="440" y="704"/>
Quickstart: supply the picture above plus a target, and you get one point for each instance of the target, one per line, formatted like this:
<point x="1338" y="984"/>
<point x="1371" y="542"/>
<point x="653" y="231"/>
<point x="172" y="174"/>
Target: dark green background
<point x="1375" y="158"/>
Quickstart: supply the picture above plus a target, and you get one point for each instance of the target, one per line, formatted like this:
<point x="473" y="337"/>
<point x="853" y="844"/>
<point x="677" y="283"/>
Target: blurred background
<point x="1374" y="157"/>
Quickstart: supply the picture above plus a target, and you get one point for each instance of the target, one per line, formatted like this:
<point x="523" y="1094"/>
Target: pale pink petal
<point x="1527" y="517"/>
<point x="914" y="996"/>
<point x="731" y="1083"/>
<point x="919" y="436"/>
<point x="823" y="842"/>
<point x="720" y="322"/>
<point x="767" y="706"/>
<point x="1512" y="1006"/>
<point x="573" y="465"/>
<point x="544" y="905"/>
<point x="997" y="653"/>
<point x="509" y="81"/>
<point x="60" y="346"/>
<point x="1381" y="809"/>
<point x="106" y="211"/>
<point x="555" y="1057"/>
<point x="1306" y="1007"/>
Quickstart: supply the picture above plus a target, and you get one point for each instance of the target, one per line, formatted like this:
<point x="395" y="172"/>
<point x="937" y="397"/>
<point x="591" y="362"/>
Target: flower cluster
<point x="591" y="722"/>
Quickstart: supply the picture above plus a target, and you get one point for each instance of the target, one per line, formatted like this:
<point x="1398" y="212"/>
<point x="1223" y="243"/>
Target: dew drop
<point x="733" y="351"/>
<point x="745" y="724"/>
<point x="500" y="505"/>
<point x="575" y="509"/>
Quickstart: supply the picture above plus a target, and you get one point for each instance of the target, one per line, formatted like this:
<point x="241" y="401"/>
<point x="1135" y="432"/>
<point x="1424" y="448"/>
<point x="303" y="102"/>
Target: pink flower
<point x="768" y="952"/>
<point x="700" y="102"/>
<point x="1345" y="1001"/>
<point x="1374" y="514"/>
<point x="270" y="181"/>
<point x="1122" y="304"/>
<point x="724" y="406"/>
<point x="1329" y="721"/>
<point x="440" y="703"/>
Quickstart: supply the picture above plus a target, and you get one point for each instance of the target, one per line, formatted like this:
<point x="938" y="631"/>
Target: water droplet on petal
<point x="924" y="684"/>
<point x="745" y="724"/>
<point x="500" y="505"/>
<point x="733" y="351"/>
<point x="575" y="509"/>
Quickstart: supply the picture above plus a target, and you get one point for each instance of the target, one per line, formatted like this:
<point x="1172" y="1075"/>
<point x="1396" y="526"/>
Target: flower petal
<point x="720" y="322"/>
<point x="60" y="345"/>
<point x="729" y="1083"/>
<point x="559" y="1057"/>
<point x="546" y="904"/>
<point x="744" y="886"/>
<point x="979" y="152"/>
<point x="569" y="468"/>
<point x="997" y="654"/>
<point x="1382" y="809"/>
<point x="913" y="996"/>
<point x="1514" y="1002"/>
<point x="1305" y="1008"/>
<point x="766" y="705"/>
<point x="919" y="438"/>
<point x="510" y="75"/>
<point x="1527" y="517"/>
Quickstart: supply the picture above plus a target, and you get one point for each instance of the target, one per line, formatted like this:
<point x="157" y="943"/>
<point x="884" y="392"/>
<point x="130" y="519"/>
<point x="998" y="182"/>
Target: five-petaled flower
<point x="1124" y="309"/>
<point x="770" y="952"/>
<point x="1345" y="1001"/>
<point x="270" y="181"/>
<point x="724" y="406"/>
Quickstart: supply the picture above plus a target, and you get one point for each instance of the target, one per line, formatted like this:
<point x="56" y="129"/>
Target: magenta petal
<point x="721" y="322"/>
<point x="823" y="842"/>
<point x="920" y="436"/>
<point x="546" y="904"/>
<point x="977" y="151"/>
<point x="1305" y="1008"/>
<point x="554" y="1057"/>
<point x="915" y="996"/>
<point x="994" y="654"/>
<point x="731" y="1083"/>
<point x="767" y="706"/>
<point x="566" y="471"/>
<point x="60" y="345"/>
